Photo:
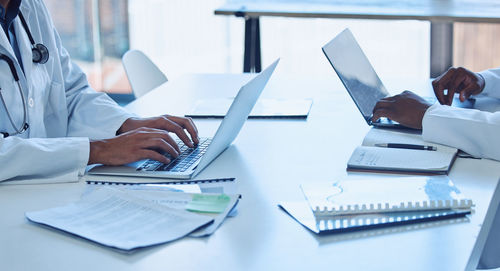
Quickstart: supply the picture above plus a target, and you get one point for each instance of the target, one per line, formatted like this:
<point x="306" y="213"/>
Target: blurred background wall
<point x="184" y="36"/>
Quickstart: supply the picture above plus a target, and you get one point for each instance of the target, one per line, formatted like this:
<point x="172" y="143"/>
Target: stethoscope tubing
<point x="42" y="56"/>
<point x="24" y="125"/>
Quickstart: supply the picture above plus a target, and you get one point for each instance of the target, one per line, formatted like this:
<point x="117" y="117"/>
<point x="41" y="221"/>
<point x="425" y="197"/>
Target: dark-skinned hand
<point x="406" y="108"/>
<point x="146" y="138"/>
<point x="457" y="80"/>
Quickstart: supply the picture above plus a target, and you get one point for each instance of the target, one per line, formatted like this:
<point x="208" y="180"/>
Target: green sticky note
<point x="206" y="203"/>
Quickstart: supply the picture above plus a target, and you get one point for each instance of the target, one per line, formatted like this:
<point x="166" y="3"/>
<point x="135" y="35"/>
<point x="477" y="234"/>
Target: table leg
<point x="441" y="47"/>
<point x="252" y="59"/>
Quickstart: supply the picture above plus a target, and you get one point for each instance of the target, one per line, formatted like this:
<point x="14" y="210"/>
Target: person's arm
<point x="42" y="157"/>
<point x="115" y="135"/>
<point x="492" y="82"/>
<point x="92" y="114"/>
<point x="95" y="115"/>
<point x="472" y="131"/>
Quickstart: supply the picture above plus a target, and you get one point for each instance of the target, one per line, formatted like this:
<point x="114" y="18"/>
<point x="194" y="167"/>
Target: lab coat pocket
<point x="55" y="111"/>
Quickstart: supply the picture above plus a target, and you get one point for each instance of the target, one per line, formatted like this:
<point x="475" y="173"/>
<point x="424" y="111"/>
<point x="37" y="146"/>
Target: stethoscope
<point x="40" y="56"/>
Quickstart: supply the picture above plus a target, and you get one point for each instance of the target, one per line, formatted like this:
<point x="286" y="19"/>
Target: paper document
<point x="366" y="194"/>
<point x="400" y="159"/>
<point x="216" y="206"/>
<point x="186" y="188"/>
<point x="264" y="108"/>
<point x="114" y="218"/>
<point x="226" y="186"/>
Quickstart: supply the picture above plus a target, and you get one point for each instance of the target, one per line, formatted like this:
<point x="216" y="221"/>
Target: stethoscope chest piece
<point x="40" y="53"/>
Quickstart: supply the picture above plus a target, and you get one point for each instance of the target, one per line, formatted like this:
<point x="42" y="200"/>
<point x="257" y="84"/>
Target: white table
<point x="269" y="158"/>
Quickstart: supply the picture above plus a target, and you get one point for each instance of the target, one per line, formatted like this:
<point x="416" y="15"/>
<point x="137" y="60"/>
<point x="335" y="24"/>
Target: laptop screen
<point x="355" y="72"/>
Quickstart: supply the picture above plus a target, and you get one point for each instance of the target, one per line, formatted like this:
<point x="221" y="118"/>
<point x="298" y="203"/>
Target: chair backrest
<point x="142" y="73"/>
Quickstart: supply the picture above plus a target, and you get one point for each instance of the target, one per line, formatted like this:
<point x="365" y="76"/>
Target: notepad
<point x="365" y="195"/>
<point x="265" y="108"/>
<point x="369" y="157"/>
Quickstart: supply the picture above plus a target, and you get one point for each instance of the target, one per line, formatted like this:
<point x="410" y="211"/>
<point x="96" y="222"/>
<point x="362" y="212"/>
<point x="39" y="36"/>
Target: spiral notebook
<point x="302" y="213"/>
<point x="375" y="195"/>
<point x="218" y="185"/>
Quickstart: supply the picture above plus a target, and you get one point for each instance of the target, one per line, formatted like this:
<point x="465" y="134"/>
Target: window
<point x="96" y="34"/>
<point x="184" y="36"/>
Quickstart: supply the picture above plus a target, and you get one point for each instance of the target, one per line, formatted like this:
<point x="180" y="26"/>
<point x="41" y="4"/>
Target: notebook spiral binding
<point x="340" y="223"/>
<point x="179" y="182"/>
<point x="386" y="208"/>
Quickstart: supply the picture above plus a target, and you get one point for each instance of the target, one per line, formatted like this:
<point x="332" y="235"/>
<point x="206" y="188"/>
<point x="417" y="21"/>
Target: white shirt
<point x="470" y="130"/>
<point x="64" y="112"/>
<point x="477" y="133"/>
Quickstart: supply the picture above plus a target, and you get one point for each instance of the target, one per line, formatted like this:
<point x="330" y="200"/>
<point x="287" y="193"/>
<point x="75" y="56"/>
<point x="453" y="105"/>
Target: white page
<point x="377" y="136"/>
<point x="179" y="201"/>
<point x="263" y="107"/>
<point x="399" y="159"/>
<point x="116" y="219"/>
<point x="186" y="188"/>
<point x="398" y="192"/>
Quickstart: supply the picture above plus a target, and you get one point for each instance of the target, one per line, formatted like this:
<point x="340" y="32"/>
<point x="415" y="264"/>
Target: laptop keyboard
<point x="187" y="158"/>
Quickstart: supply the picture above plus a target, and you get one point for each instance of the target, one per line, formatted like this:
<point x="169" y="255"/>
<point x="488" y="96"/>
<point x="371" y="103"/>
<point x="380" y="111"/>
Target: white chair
<point x="142" y="73"/>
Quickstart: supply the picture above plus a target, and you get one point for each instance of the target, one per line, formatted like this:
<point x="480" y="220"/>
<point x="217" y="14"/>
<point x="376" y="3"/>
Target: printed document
<point x="115" y="218"/>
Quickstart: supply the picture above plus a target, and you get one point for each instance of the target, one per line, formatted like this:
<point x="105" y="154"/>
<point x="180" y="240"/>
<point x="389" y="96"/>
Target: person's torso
<point x="41" y="84"/>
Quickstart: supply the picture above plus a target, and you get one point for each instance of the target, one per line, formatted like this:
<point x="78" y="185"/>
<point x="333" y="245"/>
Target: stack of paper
<point x="130" y="217"/>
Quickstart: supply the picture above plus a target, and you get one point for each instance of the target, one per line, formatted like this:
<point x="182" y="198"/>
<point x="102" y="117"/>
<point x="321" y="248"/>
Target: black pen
<point x="406" y="146"/>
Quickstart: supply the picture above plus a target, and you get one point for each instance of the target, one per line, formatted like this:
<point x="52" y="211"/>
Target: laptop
<point x="193" y="160"/>
<point x="360" y="79"/>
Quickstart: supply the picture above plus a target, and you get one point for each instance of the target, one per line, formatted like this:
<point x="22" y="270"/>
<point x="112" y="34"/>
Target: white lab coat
<point x="63" y="111"/>
<point x="472" y="131"/>
<point x="477" y="133"/>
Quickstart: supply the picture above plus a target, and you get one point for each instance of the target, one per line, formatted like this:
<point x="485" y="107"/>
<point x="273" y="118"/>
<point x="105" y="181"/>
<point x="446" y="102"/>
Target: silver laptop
<point x="193" y="160"/>
<point x="361" y="80"/>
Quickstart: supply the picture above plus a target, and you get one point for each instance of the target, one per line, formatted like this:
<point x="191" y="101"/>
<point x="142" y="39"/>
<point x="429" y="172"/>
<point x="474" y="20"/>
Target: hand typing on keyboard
<point x="406" y="108"/>
<point x="188" y="156"/>
<point x="144" y="138"/>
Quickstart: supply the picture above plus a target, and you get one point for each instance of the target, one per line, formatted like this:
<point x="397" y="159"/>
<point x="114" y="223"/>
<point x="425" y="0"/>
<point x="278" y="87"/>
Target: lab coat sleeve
<point x="91" y="114"/>
<point x="42" y="157"/>
<point x="473" y="131"/>
<point x="492" y="83"/>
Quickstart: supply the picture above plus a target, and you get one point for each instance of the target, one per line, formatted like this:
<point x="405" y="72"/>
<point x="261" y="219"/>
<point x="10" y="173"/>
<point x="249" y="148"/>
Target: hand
<point x="167" y="123"/>
<point x="406" y="108"/>
<point x="131" y="146"/>
<point x="457" y="80"/>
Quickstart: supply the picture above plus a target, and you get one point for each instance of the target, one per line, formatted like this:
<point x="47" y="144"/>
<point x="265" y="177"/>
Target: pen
<point x="406" y="146"/>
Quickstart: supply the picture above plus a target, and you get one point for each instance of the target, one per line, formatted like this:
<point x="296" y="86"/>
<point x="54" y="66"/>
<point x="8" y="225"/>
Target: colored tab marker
<point x="206" y="203"/>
